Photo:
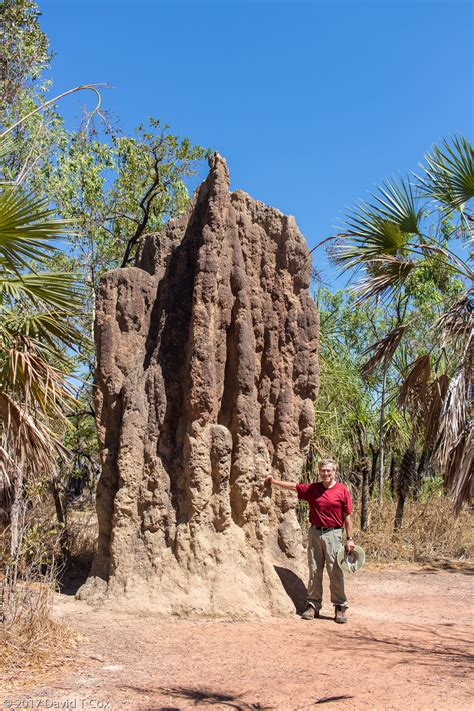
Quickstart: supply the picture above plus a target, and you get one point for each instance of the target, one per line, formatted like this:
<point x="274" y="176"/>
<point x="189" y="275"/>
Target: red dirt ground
<point x="406" y="646"/>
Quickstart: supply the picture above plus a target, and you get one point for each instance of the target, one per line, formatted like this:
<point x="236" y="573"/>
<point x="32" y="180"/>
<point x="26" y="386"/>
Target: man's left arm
<point x="350" y="545"/>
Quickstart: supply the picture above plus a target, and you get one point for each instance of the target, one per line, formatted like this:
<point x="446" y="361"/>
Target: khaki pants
<point x="322" y="550"/>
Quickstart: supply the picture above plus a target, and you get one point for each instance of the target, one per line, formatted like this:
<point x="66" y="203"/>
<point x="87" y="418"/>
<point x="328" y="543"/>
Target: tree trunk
<point x="373" y="471"/>
<point x="381" y="436"/>
<point x="392" y="476"/>
<point x="420" y="473"/>
<point x="58" y="504"/>
<point x="364" y="502"/>
<point x="405" y="480"/>
<point x="16" y="512"/>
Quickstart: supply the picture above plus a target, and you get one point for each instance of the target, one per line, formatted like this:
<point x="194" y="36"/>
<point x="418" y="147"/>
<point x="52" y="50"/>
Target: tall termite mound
<point x="206" y="378"/>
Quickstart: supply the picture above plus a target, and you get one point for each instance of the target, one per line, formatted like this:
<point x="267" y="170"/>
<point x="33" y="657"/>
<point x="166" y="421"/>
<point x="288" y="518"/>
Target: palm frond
<point x="457" y="320"/>
<point x="32" y="441"/>
<point x="415" y="383"/>
<point x="27" y="227"/>
<point x="383" y="350"/>
<point x="37" y="383"/>
<point x="454" y="446"/>
<point x="382" y="227"/>
<point x="449" y="174"/>
<point x="59" y="290"/>
<point x="5" y="466"/>
<point x="435" y="395"/>
<point x="459" y="468"/>
<point x="50" y="332"/>
<point x="397" y="203"/>
<point x="384" y="277"/>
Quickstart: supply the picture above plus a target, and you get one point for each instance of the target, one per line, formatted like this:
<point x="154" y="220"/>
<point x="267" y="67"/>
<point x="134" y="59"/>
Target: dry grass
<point x="30" y="640"/>
<point x="82" y="533"/>
<point x="430" y="533"/>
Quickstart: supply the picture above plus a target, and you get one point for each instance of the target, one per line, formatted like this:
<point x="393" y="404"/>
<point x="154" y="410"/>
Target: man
<point x="330" y="509"/>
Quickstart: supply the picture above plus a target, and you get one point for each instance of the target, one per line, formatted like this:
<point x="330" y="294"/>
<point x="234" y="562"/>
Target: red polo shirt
<point x="327" y="507"/>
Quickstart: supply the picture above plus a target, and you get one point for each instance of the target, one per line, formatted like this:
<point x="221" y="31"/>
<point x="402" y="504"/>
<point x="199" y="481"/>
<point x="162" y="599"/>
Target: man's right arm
<point x="291" y="485"/>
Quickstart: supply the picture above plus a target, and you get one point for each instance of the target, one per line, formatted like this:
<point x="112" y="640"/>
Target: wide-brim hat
<point x="351" y="562"/>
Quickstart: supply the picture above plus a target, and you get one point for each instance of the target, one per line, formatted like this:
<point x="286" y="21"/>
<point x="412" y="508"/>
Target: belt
<point x="325" y="529"/>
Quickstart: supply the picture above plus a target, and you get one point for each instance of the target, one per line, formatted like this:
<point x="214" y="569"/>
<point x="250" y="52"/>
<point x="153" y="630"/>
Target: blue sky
<point x="311" y="103"/>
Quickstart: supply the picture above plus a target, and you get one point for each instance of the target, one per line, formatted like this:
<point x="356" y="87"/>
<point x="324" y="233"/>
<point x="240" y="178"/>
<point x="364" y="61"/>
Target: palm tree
<point x="37" y="333"/>
<point x="388" y="240"/>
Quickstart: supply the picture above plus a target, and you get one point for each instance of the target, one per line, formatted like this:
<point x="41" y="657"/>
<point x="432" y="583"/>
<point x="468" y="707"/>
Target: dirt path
<point x="406" y="646"/>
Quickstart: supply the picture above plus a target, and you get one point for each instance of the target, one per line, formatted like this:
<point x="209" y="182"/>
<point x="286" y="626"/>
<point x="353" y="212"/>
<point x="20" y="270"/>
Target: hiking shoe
<point x="340" y="615"/>
<point x="310" y="613"/>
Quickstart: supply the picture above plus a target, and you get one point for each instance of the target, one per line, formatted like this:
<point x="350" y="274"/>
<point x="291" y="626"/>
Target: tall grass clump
<point x="29" y="637"/>
<point x="430" y="532"/>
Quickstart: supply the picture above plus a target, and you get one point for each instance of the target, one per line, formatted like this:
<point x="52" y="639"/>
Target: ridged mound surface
<point x="206" y="377"/>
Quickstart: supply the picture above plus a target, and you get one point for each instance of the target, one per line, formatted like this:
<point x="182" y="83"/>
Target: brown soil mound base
<point x="407" y="646"/>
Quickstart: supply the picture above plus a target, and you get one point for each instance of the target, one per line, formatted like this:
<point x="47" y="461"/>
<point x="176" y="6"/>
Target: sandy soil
<point x="406" y="646"/>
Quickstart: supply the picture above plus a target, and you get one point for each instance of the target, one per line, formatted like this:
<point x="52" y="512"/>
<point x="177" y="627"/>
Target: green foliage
<point x="343" y="410"/>
<point x="407" y="244"/>
<point x="109" y="188"/>
<point x="348" y="406"/>
<point x="25" y="58"/>
<point x="25" y="50"/>
<point x="37" y="311"/>
<point x="114" y="190"/>
<point x="432" y="487"/>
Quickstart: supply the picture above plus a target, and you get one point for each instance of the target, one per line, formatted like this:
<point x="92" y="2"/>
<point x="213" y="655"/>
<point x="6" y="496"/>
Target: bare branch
<point x="92" y="87"/>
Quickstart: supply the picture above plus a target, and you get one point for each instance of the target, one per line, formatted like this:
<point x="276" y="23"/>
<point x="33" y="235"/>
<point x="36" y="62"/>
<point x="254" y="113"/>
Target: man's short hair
<point x="327" y="462"/>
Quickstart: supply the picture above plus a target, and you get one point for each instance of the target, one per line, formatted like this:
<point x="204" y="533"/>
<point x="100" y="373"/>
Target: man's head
<point x="327" y="472"/>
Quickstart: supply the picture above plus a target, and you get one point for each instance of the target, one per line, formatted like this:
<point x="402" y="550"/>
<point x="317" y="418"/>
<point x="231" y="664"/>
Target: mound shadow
<point x="294" y="587"/>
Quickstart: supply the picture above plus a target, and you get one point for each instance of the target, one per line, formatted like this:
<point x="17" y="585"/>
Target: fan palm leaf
<point x="380" y="228"/>
<point x="436" y="394"/>
<point x="33" y="359"/>
<point x="49" y="331"/>
<point x="58" y="290"/>
<point x="456" y="322"/>
<point x="27" y="226"/>
<point x="32" y="441"/>
<point x="449" y="174"/>
<point x="454" y="446"/>
<point x="414" y="384"/>
<point x="41" y="384"/>
<point x="384" y="276"/>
